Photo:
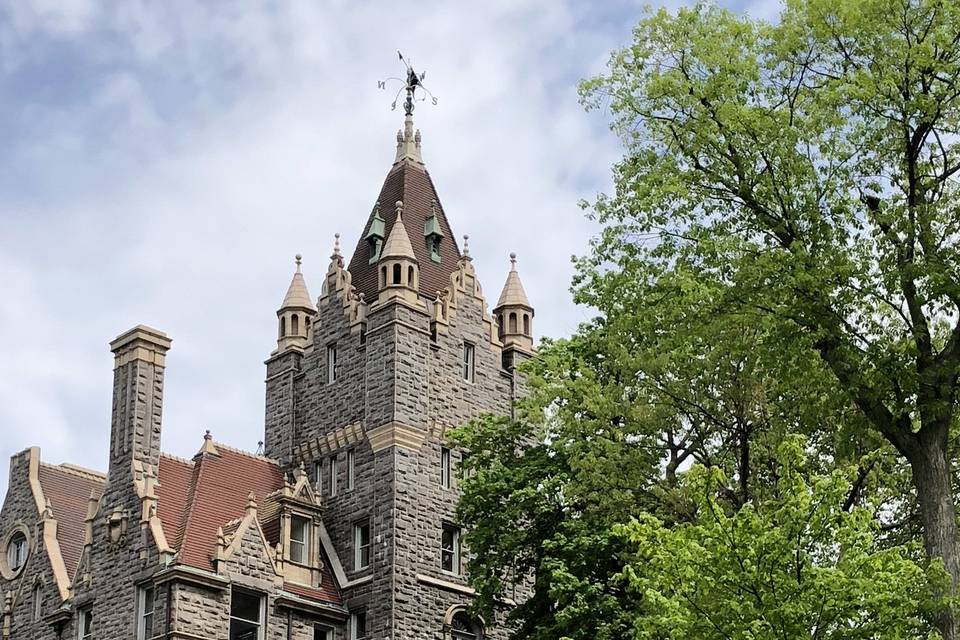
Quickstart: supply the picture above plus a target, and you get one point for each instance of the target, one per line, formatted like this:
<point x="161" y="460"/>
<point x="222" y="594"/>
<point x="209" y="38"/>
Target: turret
<point x="295" y="316"/>
<point x="398" y="269"/>
<point x="515" y="317"/>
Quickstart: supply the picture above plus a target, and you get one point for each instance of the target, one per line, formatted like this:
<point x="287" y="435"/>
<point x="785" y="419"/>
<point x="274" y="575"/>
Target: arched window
<point x="526" y="324"/>
<point x="513" y="322"/>
<point x="37" y="602"/>
<point x="383" y="276"/>
<point x="283" y="327"/>
<point x="295" y="324"/>
<point x="306" y="325"/>
<point x="397" y="273"/>
<point x="410" y="278"/>
<point x="17" y="552"/>
<point x="465" y="628"/>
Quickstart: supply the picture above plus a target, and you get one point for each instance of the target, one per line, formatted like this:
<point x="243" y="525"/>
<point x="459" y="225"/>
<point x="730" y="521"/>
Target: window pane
<point x="240" y="630"/>
<point x="321" y="633"/>
<point x="445" y="467"/>
<point x="245" y="606"/>
<point x="333" y="476"/>
<point x="351" y="468"/>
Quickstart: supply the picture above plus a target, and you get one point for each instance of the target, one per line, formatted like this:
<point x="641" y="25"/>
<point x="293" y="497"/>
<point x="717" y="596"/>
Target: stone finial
<point x="399" y="206"/>
<point x="336" y="245"/>
<point x="408" y="142"/>
<point x="513" y="261"/>
<point x="466" y="246"/>
<point x="208" y="447"/>
<point x="298" y="259"/>
<point x="251" y="503"/>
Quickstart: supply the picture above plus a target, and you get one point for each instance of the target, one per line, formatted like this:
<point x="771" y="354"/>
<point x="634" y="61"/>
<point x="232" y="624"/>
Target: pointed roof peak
<point x="398" y="243"/>
<point x="297" y="294"/>
<point x="513" y="294"/>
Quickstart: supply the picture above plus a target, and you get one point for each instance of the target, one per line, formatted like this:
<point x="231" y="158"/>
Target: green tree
<point x="794" y="565"/>
<point x="810" y="168"/>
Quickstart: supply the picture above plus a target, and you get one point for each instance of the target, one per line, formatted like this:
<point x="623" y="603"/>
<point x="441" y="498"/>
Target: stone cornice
<point x="396" y="434"/>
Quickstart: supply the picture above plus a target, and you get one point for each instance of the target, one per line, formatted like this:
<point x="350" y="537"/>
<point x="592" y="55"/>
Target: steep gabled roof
<point x="68" y="489"/>
<point x="410" y="183"/>
<point x="218" y="493"/>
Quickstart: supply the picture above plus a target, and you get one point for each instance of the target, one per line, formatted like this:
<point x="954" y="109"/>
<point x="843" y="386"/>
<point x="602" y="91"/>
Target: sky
<point x="163" y="162"/>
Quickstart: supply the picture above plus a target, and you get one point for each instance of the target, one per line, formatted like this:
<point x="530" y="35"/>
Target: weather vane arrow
<point x="410" y="84"/>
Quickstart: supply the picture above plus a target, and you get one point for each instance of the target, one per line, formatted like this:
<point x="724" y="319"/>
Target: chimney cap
<point x="141" y="336"/>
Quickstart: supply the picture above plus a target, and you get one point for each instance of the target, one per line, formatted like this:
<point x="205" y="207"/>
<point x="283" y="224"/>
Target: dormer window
<point x="299" y="540"/>
<point x="432" y="233"/>
<point x="376" y="234"/>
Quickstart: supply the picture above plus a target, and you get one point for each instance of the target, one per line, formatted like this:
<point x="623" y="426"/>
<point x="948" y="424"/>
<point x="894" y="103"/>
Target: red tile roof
<point x="68" y="490"/>
<point x="195" y="498"/>
<point x="411" y="183"/>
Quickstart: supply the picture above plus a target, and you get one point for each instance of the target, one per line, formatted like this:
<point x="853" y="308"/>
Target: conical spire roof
<point x="398" y="242"/>
<point x="409" y="182"/>
<point x="513" y="294"/>
<point x="297" y="295"/>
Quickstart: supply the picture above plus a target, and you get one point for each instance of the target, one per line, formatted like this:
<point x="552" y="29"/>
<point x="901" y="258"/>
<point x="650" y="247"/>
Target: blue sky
<point x="162" y="163"/>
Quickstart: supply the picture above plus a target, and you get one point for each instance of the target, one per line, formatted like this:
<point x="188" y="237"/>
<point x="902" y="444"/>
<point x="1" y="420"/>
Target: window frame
<point x="331" y="363"/>
<point x="85" y="622"/>
<point x="355" y="617"/>
<point x="142" y="612"/>
<point x="351" y="468"/>
<point x="454" y="552"/>
<point x="19" y="542"/>
<point x="37" y="602"/>
<point x="305" y="543"/>
<point x="261" y="623"/>
<point x="359" y="561"/>
<point x="469" y="362"/>
<point x="333" y="476"/>
<point x="327" y="631"/>
<point x="446" y="468"/>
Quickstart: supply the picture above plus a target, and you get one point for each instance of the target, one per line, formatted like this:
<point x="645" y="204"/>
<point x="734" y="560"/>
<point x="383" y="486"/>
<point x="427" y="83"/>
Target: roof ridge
<point x="77" y="470"/>
<point x="241" y="452"/>
<point x="170" y="456"/>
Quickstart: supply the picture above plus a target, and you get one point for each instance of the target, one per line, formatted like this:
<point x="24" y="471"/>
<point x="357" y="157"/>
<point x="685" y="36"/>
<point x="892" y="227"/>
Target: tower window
<point x="445" y="468"/>
<point x="37" y="602"/>
<point x="85" y="624"/>
<point x="397" y="274"/>
<point x="361" y="545"/>
<point x="145" y="605"/>
<point x="513" y="322"/>
<point x="333" y="476"/>
<point x="318" y="474"/>
<point x="526" y="324"/>
<point x="295" y="324"/>
<point x="246" y="616"/>
<point x="351" y="467"/>
<point x="358" y="625"/>
<point x="299" y="540"/>
<point x="283" y="327"/>
<point x="331" y="363"/>
<point x="450" y="549"/>
<point x="383" y="277"/>
<point x="411" y="278"/>
<point x="469" y="355"/>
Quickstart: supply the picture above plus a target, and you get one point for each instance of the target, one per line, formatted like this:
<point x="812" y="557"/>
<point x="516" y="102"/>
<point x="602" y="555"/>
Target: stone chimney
<point x="137" y="401"/>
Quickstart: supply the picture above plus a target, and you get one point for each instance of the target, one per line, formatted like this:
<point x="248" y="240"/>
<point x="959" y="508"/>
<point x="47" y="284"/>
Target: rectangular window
<point x="450" y="549"/>
<point x="358" y="625"/>
<point x="246" y="615"/>
<point x="85" y="624"/>
<point x="351" y="467"/>
<point x="361" y="545"/>
<point x="469" y="353"/>
<point x="318" y="474"/>
<point x="145" y="605"/>
<point x="37" y="603"/>
<point x="333" y="476"/>
<point x="322" y="633"/>
<point x="445" y="469"/>
<point x="299" y="540"/>
<point x="331" y="363"/>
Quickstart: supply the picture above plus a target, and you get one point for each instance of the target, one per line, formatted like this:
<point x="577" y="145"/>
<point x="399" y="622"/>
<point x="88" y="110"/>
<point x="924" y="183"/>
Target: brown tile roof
<point x="411" y="183"/>
<point x="195" y="498"/>
<point x="68" y="490"/>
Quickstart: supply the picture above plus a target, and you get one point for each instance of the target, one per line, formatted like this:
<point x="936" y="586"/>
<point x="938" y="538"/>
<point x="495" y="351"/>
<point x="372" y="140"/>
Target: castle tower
<point x="515" y="319"/>
<point x="403" y="348"/>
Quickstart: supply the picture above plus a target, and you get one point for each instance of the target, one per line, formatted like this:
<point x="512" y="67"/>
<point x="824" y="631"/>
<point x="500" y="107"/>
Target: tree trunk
<point x="932" y="475"/>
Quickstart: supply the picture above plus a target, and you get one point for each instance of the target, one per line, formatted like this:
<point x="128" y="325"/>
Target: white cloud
<point x="201" y="145"/>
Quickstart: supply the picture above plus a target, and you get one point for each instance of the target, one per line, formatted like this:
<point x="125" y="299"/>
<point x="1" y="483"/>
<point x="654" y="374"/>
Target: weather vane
<point x="411" y="83"/>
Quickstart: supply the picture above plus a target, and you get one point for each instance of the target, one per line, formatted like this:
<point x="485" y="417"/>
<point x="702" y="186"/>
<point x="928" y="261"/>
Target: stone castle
<point x="345" y="527"/>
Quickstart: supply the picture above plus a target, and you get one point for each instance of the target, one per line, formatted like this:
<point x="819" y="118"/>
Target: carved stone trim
<point x="396" y="434"/>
